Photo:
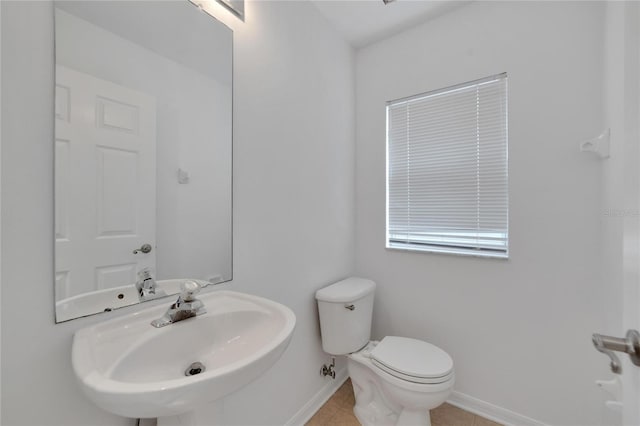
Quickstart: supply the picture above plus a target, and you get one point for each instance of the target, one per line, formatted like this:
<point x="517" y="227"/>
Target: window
<point x="447" y="188"/>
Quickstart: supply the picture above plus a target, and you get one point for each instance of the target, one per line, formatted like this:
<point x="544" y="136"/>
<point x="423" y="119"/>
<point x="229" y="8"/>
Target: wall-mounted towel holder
<point x="183" y="177"/>
<point x="599" y="146"/>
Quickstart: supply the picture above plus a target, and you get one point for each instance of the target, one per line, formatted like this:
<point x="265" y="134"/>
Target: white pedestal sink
<point x="132" y="369"/>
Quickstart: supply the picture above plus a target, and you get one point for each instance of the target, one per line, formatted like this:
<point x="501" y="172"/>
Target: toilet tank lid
<point x="347" y="290"/>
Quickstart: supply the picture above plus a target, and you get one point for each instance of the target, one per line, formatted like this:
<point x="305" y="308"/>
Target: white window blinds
<point x="447" y="188"/>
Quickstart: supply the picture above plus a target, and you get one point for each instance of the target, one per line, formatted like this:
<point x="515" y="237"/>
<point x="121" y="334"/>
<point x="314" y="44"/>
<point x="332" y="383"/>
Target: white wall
<point x="0" y="211"/>
<point x="294" y="199"/>
<point x="518" y="330"/>
<point x="293" y="206"/>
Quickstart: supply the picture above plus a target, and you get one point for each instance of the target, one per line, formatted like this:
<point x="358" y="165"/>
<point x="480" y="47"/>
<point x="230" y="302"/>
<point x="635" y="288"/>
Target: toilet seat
<point x="412" y="360"/>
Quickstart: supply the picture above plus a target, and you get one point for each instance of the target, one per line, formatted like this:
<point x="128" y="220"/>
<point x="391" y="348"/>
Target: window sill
<point x="453" y="251"/>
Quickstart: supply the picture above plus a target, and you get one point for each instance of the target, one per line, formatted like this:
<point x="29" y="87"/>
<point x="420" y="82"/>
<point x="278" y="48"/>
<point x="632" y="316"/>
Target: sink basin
<point x="132" y="369"/>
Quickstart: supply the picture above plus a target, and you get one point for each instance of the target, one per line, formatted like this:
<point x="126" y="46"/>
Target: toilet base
<point x="418" y="417"/>
<point x="376" y="414"/>
<point x="371" y="408"/>
<point x="384" y="400"/>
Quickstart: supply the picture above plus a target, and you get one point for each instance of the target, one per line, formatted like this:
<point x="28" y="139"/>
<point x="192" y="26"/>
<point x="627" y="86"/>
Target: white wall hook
<point x="612" y="387"/>
<point x="183" y="176"/>
<point x="616" y="406"/>
<point x="599" y="145"/>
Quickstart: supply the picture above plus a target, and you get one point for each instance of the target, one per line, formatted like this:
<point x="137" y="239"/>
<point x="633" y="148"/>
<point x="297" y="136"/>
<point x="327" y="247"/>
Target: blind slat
<point x="447" y="186"/>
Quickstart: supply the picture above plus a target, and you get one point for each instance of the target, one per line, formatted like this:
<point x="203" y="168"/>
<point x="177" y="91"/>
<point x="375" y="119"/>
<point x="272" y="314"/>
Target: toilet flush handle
<point x="350" y="307"/>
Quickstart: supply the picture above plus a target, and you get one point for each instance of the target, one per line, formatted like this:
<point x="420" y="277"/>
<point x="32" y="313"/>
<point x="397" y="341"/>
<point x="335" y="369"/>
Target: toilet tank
<point x="345" y="310"/>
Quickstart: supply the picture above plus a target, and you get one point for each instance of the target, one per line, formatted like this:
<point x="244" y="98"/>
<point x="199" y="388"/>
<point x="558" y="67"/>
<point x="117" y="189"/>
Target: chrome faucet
<point x="147" y="287"/>
<point x="186" y="306"/>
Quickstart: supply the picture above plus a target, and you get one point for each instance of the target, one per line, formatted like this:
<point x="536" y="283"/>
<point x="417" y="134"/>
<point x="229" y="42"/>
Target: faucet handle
<point x="188" y="290"/>
<point x="144" y="274"/>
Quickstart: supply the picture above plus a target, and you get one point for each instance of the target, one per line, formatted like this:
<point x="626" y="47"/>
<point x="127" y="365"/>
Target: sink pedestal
<point x="186" y="419"/>
<point x="214" y="413"/>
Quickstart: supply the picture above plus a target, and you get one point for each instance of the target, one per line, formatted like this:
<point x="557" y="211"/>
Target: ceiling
<point x="362" y="22"/>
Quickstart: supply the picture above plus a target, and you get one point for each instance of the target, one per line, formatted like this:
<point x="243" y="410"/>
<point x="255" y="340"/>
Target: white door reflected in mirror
<point x="104" y="165"/>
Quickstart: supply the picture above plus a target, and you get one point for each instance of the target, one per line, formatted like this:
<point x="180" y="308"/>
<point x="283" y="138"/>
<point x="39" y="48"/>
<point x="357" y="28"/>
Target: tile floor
<point x="338" y="411"/>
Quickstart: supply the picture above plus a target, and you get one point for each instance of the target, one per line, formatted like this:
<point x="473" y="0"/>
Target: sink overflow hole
<point x="195" y="368"/>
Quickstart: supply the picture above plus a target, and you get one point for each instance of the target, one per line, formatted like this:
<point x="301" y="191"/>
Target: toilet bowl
<point x="396" y="380"/>
<point x="385" y="396"/>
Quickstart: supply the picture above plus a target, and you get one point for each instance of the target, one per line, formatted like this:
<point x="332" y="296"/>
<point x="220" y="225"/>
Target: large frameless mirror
<point x="143" y="145"/>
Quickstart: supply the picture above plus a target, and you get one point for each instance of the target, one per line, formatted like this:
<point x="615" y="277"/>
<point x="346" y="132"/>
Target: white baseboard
<point x="309" y="409"/>
<point x="460" y="400"/>
<point x="490" y="411"/>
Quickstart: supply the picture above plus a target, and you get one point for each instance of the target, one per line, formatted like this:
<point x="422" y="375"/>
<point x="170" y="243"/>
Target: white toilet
<point x="397" y="380"/>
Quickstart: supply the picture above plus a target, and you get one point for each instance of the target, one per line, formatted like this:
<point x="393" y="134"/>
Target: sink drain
<point x="195" y="368"/>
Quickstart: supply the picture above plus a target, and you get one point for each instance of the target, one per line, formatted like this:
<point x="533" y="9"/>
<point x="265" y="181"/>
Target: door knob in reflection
<point x="146" y="248"/>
